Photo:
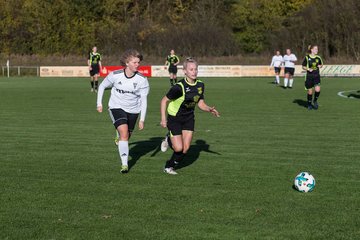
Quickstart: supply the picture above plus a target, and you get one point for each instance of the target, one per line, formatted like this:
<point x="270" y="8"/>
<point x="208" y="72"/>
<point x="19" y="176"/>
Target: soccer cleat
<point x="92" y="90"/>
<point x="170" y="171"/>
<point x="116" y="141"/>
<point x="95" y="90"/>
<point x="310" y="107"/>
<point x="164" y="144"/>
<point x="124" y="169"/>
<point x="316" y="106"/>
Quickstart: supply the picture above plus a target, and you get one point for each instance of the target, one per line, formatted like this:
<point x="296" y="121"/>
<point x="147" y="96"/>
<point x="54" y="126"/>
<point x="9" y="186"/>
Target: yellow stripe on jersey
<point x="175" y="105"/>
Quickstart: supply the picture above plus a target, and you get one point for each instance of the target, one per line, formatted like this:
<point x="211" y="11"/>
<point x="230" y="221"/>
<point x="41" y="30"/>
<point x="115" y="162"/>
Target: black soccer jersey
<point x="94" y="58"/>
<point x="313" y="63"/>
<point x="172" y="59"/>
<point x="184" y="96"/>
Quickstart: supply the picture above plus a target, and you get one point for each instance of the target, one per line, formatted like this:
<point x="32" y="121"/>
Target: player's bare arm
<point x="203" y="106"/>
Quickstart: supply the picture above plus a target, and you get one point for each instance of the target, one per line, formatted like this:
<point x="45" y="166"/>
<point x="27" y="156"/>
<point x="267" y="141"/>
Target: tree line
<point x="191" y="27"/>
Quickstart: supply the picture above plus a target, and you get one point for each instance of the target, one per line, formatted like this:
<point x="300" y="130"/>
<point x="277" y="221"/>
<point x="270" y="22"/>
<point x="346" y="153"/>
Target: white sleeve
<point x="106" y="83"/>
<point x="272" y="62"/>
<point x="294" y="58"/>
<point x="144" y="91"/>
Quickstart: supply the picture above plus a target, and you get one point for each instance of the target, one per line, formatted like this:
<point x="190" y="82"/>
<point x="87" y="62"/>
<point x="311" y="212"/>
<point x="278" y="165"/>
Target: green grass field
<point x="60" y="179"/>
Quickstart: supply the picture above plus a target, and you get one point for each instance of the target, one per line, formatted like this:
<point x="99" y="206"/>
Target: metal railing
<point x="20" y="71"/>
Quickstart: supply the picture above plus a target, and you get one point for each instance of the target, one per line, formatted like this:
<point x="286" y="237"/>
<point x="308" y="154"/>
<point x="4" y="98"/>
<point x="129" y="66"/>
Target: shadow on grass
<point x="301" y="102"/>
<point x="194" y="153"/>
<point x="353" y="95"/>
<point x="141" y="148"/>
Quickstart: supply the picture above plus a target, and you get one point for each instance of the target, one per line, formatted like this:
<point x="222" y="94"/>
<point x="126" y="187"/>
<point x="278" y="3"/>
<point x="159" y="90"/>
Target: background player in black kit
<point x="172" y="61"/>
<point x="180" y="120"/>
<point x="312" y="64"/>
<point x="94" y="63"/>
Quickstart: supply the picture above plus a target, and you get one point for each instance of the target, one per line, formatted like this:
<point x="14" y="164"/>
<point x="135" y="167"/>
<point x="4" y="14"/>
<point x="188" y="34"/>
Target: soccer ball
<point x="304" y="182"/>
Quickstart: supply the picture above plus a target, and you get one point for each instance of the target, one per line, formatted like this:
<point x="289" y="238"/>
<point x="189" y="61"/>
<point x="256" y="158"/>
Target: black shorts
<point x="312" y="80"/>
<point x="277" y="69"/>
<point x="290" y="71"/>
<point x="120" y="117"/>
<point x="95" y="69"/>
<point x="177" y="124"/>
<point x="173" y="69"/>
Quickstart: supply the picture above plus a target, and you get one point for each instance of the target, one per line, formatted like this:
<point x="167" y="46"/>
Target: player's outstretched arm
<point x="203" y="106"/>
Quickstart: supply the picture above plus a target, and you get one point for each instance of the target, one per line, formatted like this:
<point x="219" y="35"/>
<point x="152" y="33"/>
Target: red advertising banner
<point x="144" y="70"/>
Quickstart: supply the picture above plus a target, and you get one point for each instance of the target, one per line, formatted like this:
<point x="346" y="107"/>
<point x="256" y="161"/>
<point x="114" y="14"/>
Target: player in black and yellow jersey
<point x="312" y="64"/>
<point x="180" y="120"/>
<point x="172" y="61"/>
<point x="94" y="63"/>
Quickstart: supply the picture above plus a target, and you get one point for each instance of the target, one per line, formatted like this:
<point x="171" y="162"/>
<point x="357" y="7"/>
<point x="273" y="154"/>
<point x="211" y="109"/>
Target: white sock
<point x="124" y="152"/>
<point x="286" y="82"/>
<point x="277" y="79"/>
<point x="291" y="82"/>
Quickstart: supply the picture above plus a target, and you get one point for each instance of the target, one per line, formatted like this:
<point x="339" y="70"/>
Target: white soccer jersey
<point x="276" y="61"/>
<point x="289" y="60"/>
<point x="127" y="93"/>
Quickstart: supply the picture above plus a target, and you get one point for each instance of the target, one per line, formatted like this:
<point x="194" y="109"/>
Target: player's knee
<point x="124" y="136"/>
<point x="177" y="148"/>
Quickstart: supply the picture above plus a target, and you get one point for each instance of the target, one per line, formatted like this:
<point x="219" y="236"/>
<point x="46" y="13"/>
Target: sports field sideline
<point x="59" y="167"/>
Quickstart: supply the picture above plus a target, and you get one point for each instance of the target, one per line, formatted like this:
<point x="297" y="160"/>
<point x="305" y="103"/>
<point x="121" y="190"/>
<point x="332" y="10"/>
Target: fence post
<point x="8" y="68"/>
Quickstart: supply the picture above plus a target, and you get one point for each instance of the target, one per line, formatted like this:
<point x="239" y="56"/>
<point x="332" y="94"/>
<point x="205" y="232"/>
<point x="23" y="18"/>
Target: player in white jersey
<point x="129" y="90"/>
<point x="276" y="62"/>
<point x="289" y="60"/>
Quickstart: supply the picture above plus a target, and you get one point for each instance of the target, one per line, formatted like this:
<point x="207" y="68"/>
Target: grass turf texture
<point x="60" y="175"/>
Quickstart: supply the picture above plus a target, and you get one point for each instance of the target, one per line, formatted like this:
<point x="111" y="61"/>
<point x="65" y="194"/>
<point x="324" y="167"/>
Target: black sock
<point x="96" y="85"/>
<point x="92" y="83"/>
<point x="171" y="81"/>
<point x="175" y="80"/>
<point x="317" y="94"/>
<point x="309" y="99"/>
<point x="175" y="159"/>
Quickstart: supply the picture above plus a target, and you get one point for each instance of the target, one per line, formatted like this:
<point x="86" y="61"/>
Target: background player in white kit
<point x="129" y="90"/>
<point x="276" y="62"/>
<point x="289" y="60"/>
